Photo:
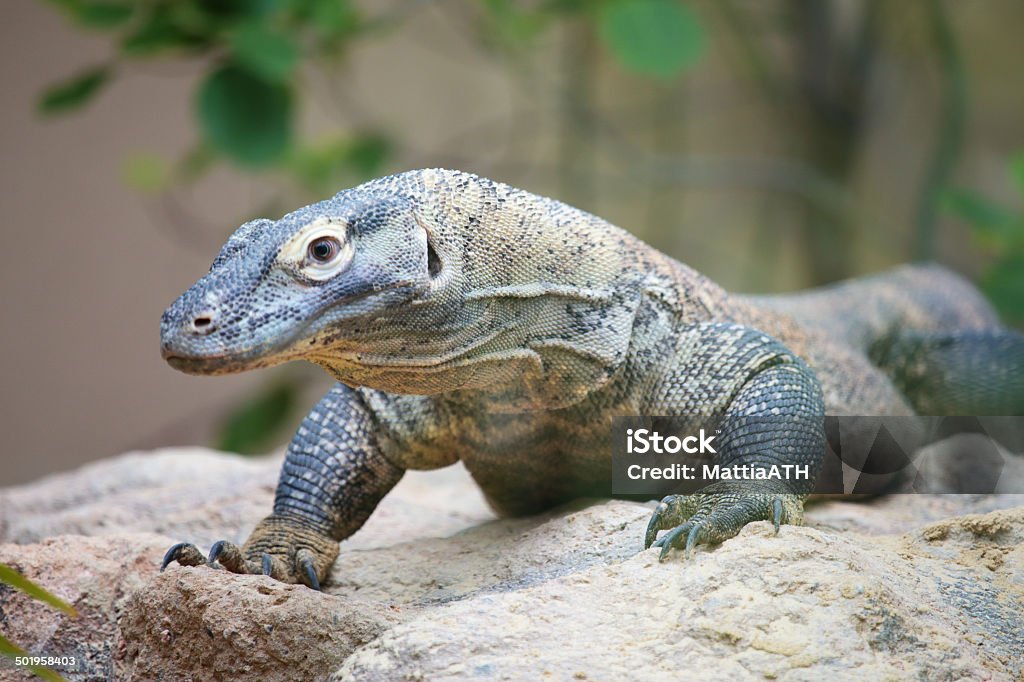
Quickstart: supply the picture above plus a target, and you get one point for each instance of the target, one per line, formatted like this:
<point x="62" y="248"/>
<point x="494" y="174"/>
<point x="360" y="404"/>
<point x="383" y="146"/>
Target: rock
<point x="186" y="492"/>
<point x="201" y="496"/>
<point x="941" y="603"/>
<point x="435" y="588"/>
<point x="285" y="632"/>
<point x="97" y="575"/>
<point x="205" y="496"/>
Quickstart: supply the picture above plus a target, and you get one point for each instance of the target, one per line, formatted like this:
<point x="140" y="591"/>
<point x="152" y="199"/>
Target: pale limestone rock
<point x="908" y="586"/>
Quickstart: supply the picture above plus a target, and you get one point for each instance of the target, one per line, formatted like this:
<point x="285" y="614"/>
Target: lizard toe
<point x="719" y="513"/>
<point x="289" y="551"/>
<point x="305" y="567"/>
<point x="670" y="512"/>
<point x="277" y="548"/>
<point x="228" y="555"/>
<point x="184" y="553"/>
<point x="276" y="568"/>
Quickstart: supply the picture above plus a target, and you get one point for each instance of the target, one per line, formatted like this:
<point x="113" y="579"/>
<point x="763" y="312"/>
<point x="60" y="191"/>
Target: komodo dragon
<point x="466" y="319"/>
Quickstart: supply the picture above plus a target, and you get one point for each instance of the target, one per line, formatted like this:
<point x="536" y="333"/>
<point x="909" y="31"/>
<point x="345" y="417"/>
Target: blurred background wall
<point x="770" y="144"/>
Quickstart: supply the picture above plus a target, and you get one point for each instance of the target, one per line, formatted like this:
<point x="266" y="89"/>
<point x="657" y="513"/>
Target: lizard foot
<point x="717" y="514"/>
<point x="284" y="548"/>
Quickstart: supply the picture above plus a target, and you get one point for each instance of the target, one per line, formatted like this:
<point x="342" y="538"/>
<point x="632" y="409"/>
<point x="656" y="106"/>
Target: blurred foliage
<point x="74" y="92"/>
<point x="254" y="426"/>
<point x="251" y="91"/>
<point x="9" y="576"/>
<point x="810" y="63"/>
<point x="657" y="37"/>
<point x="245" y="116"/>
<point x="146" y="172"/>
<point x="999" y="231"/>
<point x="247" y="100"/>
<point x="16" y="580"/>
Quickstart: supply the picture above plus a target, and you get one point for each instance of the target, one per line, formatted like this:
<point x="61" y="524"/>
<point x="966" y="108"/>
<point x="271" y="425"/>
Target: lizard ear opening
<point x="433" y="260"/>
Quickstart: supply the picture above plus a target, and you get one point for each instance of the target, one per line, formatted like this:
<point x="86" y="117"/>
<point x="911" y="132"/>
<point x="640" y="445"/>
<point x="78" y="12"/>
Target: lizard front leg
<point x="334" y="475"/>
<point x="775" y="417"/>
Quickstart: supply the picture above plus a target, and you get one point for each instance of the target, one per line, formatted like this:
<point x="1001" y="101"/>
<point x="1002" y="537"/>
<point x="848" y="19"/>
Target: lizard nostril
<point x="203" y="324"/>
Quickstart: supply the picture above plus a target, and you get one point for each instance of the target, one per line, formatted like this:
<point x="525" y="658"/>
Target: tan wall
<point x="84" y="272"/>
<point x="87" y="265"/>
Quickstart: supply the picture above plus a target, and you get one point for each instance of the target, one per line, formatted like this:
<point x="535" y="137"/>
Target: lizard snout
<point x="185" y="333"/>
<point x="203" y="322"/>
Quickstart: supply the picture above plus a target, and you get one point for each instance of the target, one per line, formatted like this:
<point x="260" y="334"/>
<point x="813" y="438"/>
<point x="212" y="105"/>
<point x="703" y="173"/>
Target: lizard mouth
<point x="220" y="361"/>
<point x="216" y="364"/>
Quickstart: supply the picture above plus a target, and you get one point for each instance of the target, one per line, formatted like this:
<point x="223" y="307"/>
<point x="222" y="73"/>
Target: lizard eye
<point x="323" y="250"/>
<point x="318" y="252"/>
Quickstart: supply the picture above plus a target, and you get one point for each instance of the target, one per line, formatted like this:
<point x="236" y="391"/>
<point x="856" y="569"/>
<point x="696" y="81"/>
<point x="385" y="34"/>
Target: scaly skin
<point x="465" y="319"/>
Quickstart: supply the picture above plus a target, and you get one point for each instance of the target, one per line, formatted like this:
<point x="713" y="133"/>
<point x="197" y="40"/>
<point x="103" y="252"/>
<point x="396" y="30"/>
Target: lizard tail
<point x="968" y="372"/>
<point x="929" y="329"/>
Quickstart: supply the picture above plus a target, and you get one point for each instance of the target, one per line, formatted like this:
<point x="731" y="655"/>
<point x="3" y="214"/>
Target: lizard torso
<point x="476" y="321"/>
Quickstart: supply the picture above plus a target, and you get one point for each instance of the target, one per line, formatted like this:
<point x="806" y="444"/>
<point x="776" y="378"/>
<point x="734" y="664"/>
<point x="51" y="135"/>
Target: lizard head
<point x="318" y="278"/>
<point x="424" y="282"/>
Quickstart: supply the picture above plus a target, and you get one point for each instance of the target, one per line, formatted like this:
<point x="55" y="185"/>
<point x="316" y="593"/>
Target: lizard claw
<point x="671" y="511"/>
<point x="279" y="547"/>
<point x="305" y="560"/>
<point x="228" y="555"/>
<point x="215" y="553"/>
<point x="654" y="525"/>
<point x="693" y="533"/>
<point x="275" y="568"/>
<point x="185" y="553"/>
<point x="717" y="514"/>
<point x="290" y="551"/>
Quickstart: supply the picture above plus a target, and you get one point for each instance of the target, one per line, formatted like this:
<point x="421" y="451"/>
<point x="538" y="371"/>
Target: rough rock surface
<point x="909" y="586"/>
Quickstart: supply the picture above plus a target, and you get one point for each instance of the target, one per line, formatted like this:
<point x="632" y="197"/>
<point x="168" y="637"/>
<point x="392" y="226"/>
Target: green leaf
<point x="1017" y="171"/>
<point x="563" y="6"/>
<point x="195" y="163"/>
<point x="986" y="218"/>
<point x="74" y="92"/>
<point x="264" y="52"/>
<point x="12" y="650"/>
<point x="317" y="166"/>
<point x="253" y="427"/>
<point x="1004" y="284"/>
<point x="320" y="168"/>
<point x="244" y="116"/>
<point x="369" y="153"/>
<point x="334" y="19"/>
<point x="96" y="14"/>
<point x="513" y="24"/>
<point x="235" y="10"/>
<point x="18" y="581"/>
<point x="103" y="14"/>
<point x="655" y="37"/>
<point x="170" y="27"/>
<point x="145" y="172"/>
